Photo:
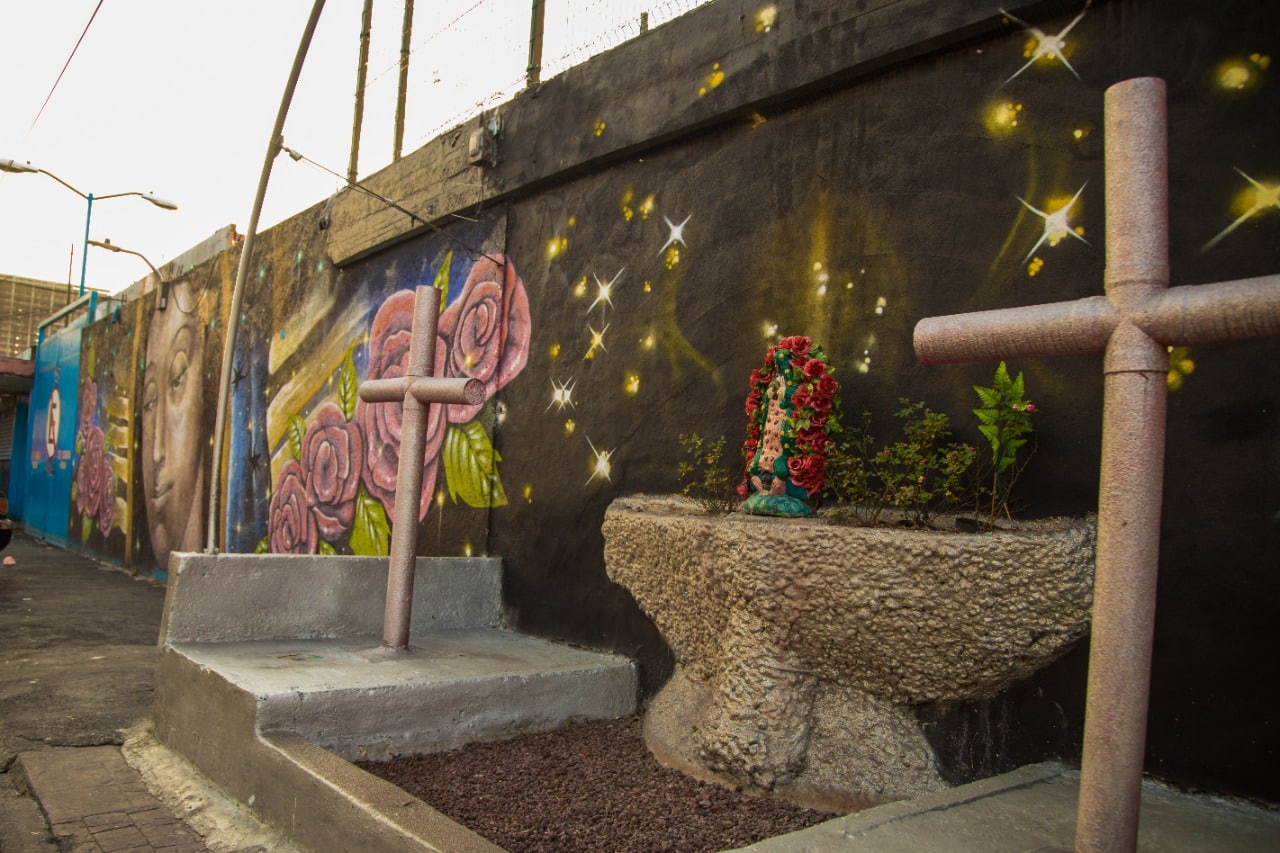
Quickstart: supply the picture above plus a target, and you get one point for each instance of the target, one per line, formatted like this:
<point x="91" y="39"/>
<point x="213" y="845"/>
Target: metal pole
<point x="537" y="23"/>
<point x="413" y="428"/>
<point x="362" y="71"/>
<point x="242" y="274"/>
<point x="1132" y="477"/>
<point x="84" y="251"/>
<point x="405" y="37"/>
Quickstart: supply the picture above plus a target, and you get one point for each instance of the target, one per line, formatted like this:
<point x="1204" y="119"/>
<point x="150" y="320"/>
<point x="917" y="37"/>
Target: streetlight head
<point x="105" y="244"/>
<point x="159" y="202"/>
<point x="15" y="167"/>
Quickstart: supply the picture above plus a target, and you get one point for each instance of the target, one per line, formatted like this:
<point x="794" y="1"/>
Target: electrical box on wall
<point x="482" y="147"/>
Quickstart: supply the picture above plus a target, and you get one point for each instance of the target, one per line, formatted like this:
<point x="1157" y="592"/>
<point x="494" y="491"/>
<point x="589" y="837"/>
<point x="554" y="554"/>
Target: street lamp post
<point x="14" y="167"/>
<point x="163" y="301"/>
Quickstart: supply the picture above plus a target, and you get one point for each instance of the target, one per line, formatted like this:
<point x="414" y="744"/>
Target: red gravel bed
<point x="587" y="787"/>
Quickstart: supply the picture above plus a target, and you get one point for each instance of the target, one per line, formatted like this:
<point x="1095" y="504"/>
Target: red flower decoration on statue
<point x="814" y="410"/>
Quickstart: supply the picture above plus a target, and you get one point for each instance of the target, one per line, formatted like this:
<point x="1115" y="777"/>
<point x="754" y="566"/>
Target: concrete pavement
<point x="77" y="665"/>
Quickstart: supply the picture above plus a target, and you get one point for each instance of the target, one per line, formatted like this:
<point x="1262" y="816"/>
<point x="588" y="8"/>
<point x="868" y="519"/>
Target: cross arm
<point x="1209" y="313"/>
<point x="1061" y="328"/>
<point x="424" y="389"/>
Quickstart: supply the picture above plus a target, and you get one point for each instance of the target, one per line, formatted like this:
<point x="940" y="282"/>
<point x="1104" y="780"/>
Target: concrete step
<point x="359" y="699"/>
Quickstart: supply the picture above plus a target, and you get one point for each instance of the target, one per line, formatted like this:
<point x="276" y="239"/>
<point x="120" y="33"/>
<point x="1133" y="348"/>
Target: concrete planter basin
<point x="803" y="646"/>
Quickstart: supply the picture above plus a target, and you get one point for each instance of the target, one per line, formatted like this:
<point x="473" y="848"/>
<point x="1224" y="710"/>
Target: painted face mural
<point x="174" y="427"/>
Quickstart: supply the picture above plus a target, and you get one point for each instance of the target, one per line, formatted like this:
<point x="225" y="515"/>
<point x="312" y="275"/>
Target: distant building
<point x="24" y="304"/>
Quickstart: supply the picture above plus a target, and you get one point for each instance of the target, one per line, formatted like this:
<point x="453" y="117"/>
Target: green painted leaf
<point x="347" y="386"/>
<point x="263" y="547"/>
<point x="326" y="548"/>
<point x="371" y="533"/>
<point x="442" y="280"/>
<point x="86" y="527"/>
<point x="471" y="466"/>
<point x="297" y="429"/>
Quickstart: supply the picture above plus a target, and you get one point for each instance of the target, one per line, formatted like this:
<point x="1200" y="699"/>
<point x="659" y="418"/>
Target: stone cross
<point x="1134" y="324"/>
<point x="417" y="390"/>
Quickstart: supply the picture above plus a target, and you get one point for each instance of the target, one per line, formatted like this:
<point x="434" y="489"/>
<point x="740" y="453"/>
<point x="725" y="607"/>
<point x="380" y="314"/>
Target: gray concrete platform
<point x="1032" y="809"/>
<point x="271" y="677"/>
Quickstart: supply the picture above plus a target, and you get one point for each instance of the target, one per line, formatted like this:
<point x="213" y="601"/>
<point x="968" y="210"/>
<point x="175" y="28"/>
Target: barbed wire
<point x="574" y="30"/>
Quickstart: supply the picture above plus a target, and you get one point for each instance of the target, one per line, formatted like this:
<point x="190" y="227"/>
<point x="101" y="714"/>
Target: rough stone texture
<point x="803" y="645"/>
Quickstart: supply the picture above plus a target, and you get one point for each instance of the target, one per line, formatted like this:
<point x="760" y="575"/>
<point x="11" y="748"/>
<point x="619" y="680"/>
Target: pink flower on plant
<point x="290" y="526"/>
<point x="381" y="423"/>
<point x="332" y="453"/>
<point x="88" y="403"/>
<point x="487" y="330"/>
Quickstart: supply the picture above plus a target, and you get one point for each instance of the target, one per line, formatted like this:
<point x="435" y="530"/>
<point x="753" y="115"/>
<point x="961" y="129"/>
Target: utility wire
<point x="65" y="66"/>
<point x="469" y="249"/>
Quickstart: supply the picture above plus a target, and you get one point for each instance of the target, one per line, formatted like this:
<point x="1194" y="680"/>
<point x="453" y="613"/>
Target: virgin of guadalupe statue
<point x="792" y="411"/>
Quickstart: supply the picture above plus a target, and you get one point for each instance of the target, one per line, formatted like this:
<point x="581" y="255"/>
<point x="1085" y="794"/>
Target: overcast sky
<point x="178" y="99"/>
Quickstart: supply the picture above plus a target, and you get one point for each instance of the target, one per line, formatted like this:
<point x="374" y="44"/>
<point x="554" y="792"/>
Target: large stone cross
<point x="417" y="390"/>
<point x="1134" y="324"/>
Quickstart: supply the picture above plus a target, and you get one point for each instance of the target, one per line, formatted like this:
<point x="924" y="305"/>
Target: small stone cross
<point x="417" y="390"/>
<point x="1134" y="324"/>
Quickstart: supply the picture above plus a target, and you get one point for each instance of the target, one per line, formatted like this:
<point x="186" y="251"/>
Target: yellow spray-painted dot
<point x="440" y="498"/>
<point x="648" y="341"/>
<point x="580" y="289"/>
<point x="1261" y="60"/>
<point x="1078" y="133"/>
<point x="599" y="127"/>
<point x="647" y="286"/>
<point x="770" y="330"/>
<point x="1034" y="266"/>
<point x="467" y="549"/>
<point x="528" y="493"/>
<point x="714" y="79"/>
<point x="554" y="349"/>
<point x="556" y="247"/>
<point x="755" y="120"/>
<point x="766" y="18"/>
<point x="573" y="220"/>
<point x="569" y="426"/>
<point x="632" y="385"/>
<point x="672" y="258"/>
<point x="1234" y="75"/>
<point x="647" y="206"/>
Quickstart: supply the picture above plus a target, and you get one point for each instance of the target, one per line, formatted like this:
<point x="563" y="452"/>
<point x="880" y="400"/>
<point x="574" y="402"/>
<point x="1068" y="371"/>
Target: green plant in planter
<point x="703" y="475"/>
<point x="921" y="474"/>
<point x="1004" y="419"/>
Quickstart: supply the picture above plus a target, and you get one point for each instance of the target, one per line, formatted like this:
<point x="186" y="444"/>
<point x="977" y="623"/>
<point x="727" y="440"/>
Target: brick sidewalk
<point x="96" y="802"/>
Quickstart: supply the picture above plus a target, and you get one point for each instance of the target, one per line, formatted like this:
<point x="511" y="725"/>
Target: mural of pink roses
<point x="487" y="330"/>
<point x="291" y="529"/>
<point x="341" y="479"/>
<point x="107" y="508"/>
<point x="332" y="453"/>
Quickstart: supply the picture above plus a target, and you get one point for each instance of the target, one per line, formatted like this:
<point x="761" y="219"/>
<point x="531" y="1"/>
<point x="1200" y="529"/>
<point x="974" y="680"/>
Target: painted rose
<point x="88" y="404"/>
<point x="332" y="453"/>
<point x="290" y="527"/>
<point x="89" y="473"/>
<point x="487" y="330"/>
<point x="381" y="423"/>
<point x="107" y="507"/>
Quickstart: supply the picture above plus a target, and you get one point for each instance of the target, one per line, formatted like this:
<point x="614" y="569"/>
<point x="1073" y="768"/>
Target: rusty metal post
<point x="1132" y="477"/>
<point x="362" y="71"/>
<point x="405" y="44"/>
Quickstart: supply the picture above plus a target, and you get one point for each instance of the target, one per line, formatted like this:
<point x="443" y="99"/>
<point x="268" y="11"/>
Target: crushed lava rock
<point x="587" y="787"/>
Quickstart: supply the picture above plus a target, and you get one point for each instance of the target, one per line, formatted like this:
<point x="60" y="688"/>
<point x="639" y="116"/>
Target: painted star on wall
<point x="1056" y="225"/>
<point x="1046" y="45"/>
<point x="676" y="234"/>
<point x="604" y="290"/>
<point x="1263" y="197"/>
